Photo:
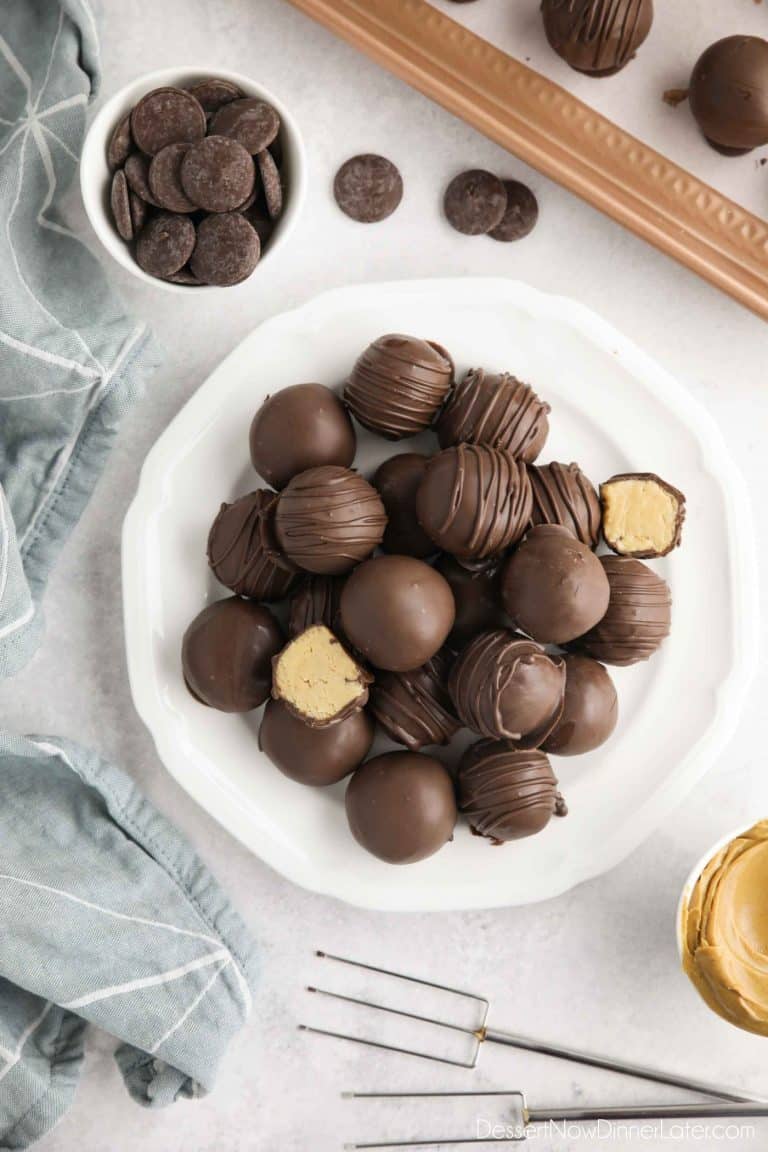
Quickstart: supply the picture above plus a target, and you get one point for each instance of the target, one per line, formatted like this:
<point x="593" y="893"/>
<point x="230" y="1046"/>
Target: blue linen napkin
<point x="106" y="915"/>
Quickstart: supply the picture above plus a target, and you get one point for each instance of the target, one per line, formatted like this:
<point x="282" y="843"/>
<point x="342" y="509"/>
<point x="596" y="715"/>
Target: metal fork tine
<point x="394" y="1011"/>
<point x="438" y="1143"/>
<point x="391" y="1047"/>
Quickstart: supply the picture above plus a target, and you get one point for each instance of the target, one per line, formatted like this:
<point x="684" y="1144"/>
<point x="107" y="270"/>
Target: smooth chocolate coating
<point x="590" y="709"/>
<point x="227" y="654"/>
<point x="477" y="595"/>
<point x="414" y="708"/>
<point x="312" y="755"/>
<point x="401" y="806"/>
<point x="317" y="601"/>
<point x="638" y="618"/>
<point x="397" y="612"/>
<point x="497" y="410"/>
<point x="300" y="427"/>
<point x="243" y="552"/>
<point x="598" y="37"/>
<point x="397" y="481"/>
<point x="398" y="385"/>
<point x="507" y="793"/>
<point x="563" y="495"/>
<point x="474" y="501"/>
<point x="328" y="519"/>
<point x="507" y="688"/>
<point x="728" y="93"/>
<point x="553" y="587"/>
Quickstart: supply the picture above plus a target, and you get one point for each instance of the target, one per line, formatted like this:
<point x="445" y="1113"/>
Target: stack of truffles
<point x="459" y="590"/>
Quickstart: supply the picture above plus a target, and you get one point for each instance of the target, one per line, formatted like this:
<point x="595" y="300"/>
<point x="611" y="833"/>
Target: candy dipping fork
<point x="482" y="1033"/>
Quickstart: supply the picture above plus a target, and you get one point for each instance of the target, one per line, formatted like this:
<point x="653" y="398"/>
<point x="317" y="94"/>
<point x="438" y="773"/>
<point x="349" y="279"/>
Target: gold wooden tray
<point x="562" y="137"/>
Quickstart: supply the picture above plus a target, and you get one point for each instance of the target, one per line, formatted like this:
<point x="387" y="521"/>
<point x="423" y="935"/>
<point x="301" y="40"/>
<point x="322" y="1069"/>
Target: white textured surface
<point x="598" y="966"/>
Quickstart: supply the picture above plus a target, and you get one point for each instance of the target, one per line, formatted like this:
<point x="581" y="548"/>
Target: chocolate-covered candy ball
<point x="227" y="655"/>
<point x="590" y="708"/>
<point x="414" y="708"/>
<point x="553" y="587"/>
<point x="243" y="552"/>
<point x="401" y="806"/>
<point x="317" y="601"/>
<point x="311" y="755"/>
<point x="398" y="385"/>
<point x="474" y="501"/>
<point x="397" y="612"/>
<point x="300" y="427"/>
<point x="598" y="37"/>
<point x="507" y="793"/>
<point x="397" y="481"/>
<point x="563" y="495"/>
<point x="728" y="93"/>
<point x="495" y="409"/>
<point x="328" y="519"/>
<point x="507" y="688"/>
<point x="638" y="617"/>
<point x="477" y="595"/>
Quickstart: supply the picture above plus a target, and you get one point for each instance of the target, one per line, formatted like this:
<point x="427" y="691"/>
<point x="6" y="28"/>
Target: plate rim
<point x="743" y="572"/>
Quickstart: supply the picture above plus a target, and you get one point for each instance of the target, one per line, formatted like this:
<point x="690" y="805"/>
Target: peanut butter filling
<point x="725" y="931"/>
<point x="317" y="678"/>
<point x="639" y="516"/>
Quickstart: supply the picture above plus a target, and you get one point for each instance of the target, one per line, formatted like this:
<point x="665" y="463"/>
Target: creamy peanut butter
<point x="724" y="931"/>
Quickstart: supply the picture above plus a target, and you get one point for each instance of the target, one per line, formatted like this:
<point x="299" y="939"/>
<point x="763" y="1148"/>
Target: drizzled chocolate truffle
<point x="477" y="595"/>
<point x="317" y="601"/>
<point x="506" y="793"/>
<point x="508" y="688"/>
<point x="414" y="708"/>
<point x="397" y="612"/>
<point x="590" y="709"/>
<point x="728" y="93"/>
<point x="226" y="655"/>
<point x="401" y="806"/>
<point x="563" y="495"/>
<point x="300" y="427"/>
<point x="242" y="550"/>
<point x="598" y="37"/>
<point x="497" y="410"/>
<point x="398" y="385"/>
<point x="638" y="618"/>
<point x="397" y="481"/>
<point x="311" y="755"/>
<point x="553" y="587"/>
<point x="474" y="501"/>
<point x="328" y="519"/>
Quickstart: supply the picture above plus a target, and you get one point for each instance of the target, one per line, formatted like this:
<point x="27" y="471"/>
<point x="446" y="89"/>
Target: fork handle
<point x="639" y="1071"/>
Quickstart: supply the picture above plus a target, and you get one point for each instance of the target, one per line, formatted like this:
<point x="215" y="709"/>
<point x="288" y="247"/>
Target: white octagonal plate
<point x="613" y="410"/>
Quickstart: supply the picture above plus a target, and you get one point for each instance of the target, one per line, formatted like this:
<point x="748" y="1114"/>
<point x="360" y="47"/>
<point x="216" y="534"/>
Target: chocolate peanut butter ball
<point x="317" y="679"/>
<point x="398" y="385"/>
<point x="507" y="793"/>
<point x="474" y="501"/>
<point x="227" y="652"/>
<point x="590" y="708"/>
<point x="317" y="601"/>
<point x="311" y="755"/>
<point x="728" y="94"/>
<point x="477" y="595"/>
<point x="397" y="612"/>
<point x="401" y="806"/>
<point x="243" y="552"/>
<point x="642" y="515"/>
<point x="638" y="618"/>
<point x="397" y="481"/>
<point x="598" y="37"/>
<point x="498" y="410"/>
<point x="298" y="428"/>
<point x="414" y="708"/>
<point x="507" y="688"/>
<point x="328" y="519"/>
<point x="563" y="495"/>
<point x="553" y="587"/>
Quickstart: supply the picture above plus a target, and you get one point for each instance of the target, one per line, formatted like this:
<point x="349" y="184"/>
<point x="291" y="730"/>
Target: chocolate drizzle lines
<point x="639" y="614"/>
<point x="498" y="410"/>
<point x="507" y="793"/>
<point x="243" y="552"/>
<point x="398" y="385"/>
<point x="328" y="519"/>
<point x="563" y="495"/>
<point x="610" y="29"/>
<point x="414" y="708"/>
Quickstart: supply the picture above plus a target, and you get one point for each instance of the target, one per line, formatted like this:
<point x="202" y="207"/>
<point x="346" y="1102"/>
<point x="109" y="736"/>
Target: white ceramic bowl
<point x="95" y="176"/>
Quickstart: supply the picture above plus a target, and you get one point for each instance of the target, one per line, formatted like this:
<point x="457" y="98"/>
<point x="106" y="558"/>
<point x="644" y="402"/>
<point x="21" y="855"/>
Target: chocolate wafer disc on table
<point x="165" y="244"/>
<point x="217" y="174"/>
<point x="251" y="122"/>
<point x="521" y="213"/>
<point x="227" y="249"/>
<point x="120" y="204"/>
<point x="475" y="202"/>
<point x="213" y="94"/>
<point x="167" y="116"/>
<point x="368" y="188"/>
<point x="271" y="183"/>
<point x="165" y="179"/>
